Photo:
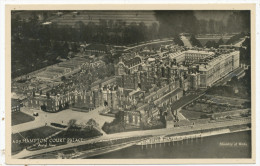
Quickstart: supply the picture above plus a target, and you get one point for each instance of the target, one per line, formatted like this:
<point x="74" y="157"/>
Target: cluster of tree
<point x="211" y="26"/>
<point x="117" y="125"/>
<point x="214" y="44"/>
<point x="119" y="33"/>
<point x="238" y="21"/>
<point x="222" y="90"/>
<point x="34" y="54"/>
<point x="243" y="85"/>
<point x="175" y="22"/>
<point x="75" y="130"/>
<point x="235" y="38"/>
<point x="245" y="52"/>
<point x="106" y="31"/>
<point x="194" y="41"/>
<point x="177" y="40"/>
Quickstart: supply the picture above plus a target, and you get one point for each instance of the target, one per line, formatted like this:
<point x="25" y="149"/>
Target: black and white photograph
<point x="130" y="84"/>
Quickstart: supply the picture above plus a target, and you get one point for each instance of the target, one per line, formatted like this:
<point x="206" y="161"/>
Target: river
<point x="231" y="145"/>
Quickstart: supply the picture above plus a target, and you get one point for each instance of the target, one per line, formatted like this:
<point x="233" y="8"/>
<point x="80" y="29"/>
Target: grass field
<point x="191" y="114"/>
<point x="70" y="19"/>
<point x="40" y="133"/>
<point x="20" y="117"/>
<point x="197" y="108"/>
<point x="229" y="100"/>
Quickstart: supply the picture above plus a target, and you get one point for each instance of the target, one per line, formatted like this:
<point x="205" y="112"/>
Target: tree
<point x="47" y="95"/>
<point x="63" y="78"/>
<point x="211" y="43"/>
<point x="211" y="26"/>
<point x="71" y="123"/>
<point x="80" y="30"/>
<point x="194" y="41"/>
<point x="245" y="52"/>
<point x="74" y="47"/>
<point x="92" y="123"/>
<point x="177" y="40"/>
<point x="153" y="31"/>
<point x="203" y="26"/>
<point x="220" y="42"/>
<point x="235" y="38"/>
<point x="43" y="107"/>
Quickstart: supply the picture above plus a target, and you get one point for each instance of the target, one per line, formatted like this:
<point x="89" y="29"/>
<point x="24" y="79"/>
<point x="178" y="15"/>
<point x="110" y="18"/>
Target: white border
<point x="2" y="49"/>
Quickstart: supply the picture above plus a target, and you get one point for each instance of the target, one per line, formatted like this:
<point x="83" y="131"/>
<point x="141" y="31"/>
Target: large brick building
<point x="209" y="66"/>
<point x="88" y="100"/>
<point x="216" y="67"/>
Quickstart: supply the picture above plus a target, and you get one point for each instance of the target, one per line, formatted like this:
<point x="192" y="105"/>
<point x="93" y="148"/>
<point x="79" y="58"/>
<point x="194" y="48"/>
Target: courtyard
<point x="62" y="117"/>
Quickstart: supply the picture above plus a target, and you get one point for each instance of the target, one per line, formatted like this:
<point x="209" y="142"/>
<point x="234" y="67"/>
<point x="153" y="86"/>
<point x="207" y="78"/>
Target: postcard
<point x="130" y="84"/>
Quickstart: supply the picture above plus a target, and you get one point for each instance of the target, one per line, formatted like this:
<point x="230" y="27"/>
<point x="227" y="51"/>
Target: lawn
<point x="74" y="134"/>
<point x="191" y="114"/>
<point x="229" y="100"/>
<point x="20" y="117"/>
<point x="41" y="132"/>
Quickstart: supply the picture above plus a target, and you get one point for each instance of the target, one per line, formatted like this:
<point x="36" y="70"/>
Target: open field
<point x="224" y="100"/>
<point x="209" y="104"/>
<point x="67" y="136"/>
<point x="69" y="19"/>
<point x="20" y="117"/>
<point x="191" y="114"/>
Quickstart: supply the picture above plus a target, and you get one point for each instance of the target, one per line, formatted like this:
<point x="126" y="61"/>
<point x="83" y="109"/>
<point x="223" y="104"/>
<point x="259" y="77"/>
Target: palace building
<point x="128" y="66"/>
<point x="214" y="68"/>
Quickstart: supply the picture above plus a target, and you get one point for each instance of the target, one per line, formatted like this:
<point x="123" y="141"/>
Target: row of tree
<point x="30" y="54"/>
<point x="120" y="33"/>
<point x="194" y="41"/>
<point x="45" y="43"/>
<point x="175" y="22"/>
<point x="106" y="31"/>
<point x="214" y="44"/>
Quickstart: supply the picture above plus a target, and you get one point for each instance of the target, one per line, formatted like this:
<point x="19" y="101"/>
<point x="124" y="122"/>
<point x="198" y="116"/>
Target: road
<point x="156" y="132"/>
<point x="61" y="117"/>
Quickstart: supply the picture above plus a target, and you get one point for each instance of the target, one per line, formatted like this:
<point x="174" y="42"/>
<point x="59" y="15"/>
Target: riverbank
<point x="235" y="145"/>
<point x="193" y="135"/>
<point x="140" y="134"/>
<point x="167" y="139"/>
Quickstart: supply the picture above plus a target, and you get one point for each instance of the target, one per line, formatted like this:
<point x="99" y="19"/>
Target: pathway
<point x="62" y="117"/>
<point x="186" y="41"/>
